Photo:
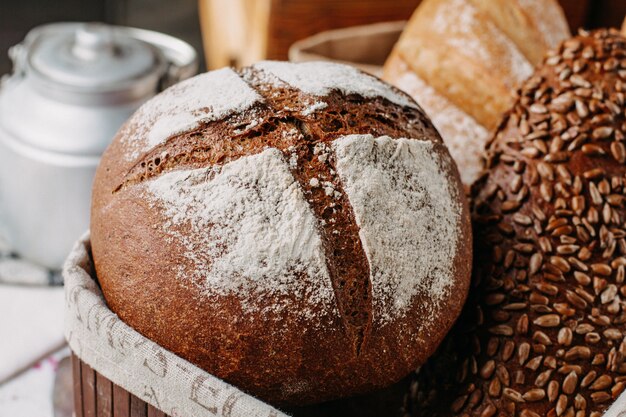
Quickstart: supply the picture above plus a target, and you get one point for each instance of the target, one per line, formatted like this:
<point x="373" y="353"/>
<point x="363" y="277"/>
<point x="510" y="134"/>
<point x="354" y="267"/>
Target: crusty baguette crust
<point x="465" y="58"/>
<point x="535" y="26"/>
<point x="457" y="49"/>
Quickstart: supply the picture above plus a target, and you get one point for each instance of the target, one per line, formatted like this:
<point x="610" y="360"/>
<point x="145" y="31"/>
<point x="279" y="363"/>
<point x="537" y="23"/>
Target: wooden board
<point x="104" y="397"/>
<point x="121" y="402"/>
<point x="138" y="408"/>
<point x="287" y="17"/>
<point x="153" y="412"/>
<point x="97" y="396"/>
<point x="239" y="32"/>
<point x="78" y="390"/>
<point x="88" y="386"/>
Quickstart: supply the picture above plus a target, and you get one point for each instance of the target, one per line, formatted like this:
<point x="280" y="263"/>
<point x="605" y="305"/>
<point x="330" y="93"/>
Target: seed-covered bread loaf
<point x="543" y="331"/>
<point x="298" y="230"/>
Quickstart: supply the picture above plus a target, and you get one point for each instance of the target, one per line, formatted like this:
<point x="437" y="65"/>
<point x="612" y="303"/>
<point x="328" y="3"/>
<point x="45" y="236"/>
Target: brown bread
<point x="236" y="223"/>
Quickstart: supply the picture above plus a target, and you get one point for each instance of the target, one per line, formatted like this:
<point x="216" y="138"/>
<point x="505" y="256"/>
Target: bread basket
<point x="117" y="372"/>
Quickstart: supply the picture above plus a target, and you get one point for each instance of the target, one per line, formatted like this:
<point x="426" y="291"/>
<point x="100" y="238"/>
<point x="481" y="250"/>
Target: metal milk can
<point x="72" y="87"/>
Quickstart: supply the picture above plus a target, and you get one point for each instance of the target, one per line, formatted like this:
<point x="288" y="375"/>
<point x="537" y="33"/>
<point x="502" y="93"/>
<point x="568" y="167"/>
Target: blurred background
<point x="18" y="17"/>
<point x="183" y="21"/>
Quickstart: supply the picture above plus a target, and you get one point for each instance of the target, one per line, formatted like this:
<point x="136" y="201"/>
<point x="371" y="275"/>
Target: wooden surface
<point x="576" y="12"/>
<point x="104" y="396"/>
<point x="287" y="17"/>
<point x="153" y="412"/>
<point x="78" y="390"/>
<point x="234" y="31"/>
<point x="96" y="396"/>
<point x="88" y="388"/>
<point x="121" y="402"/>
<point x="239" y="32"/>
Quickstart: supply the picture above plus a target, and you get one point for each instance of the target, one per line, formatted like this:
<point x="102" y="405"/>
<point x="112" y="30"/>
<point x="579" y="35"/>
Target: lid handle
<point x="92" y="41"/>
<point x="180" y="58"/>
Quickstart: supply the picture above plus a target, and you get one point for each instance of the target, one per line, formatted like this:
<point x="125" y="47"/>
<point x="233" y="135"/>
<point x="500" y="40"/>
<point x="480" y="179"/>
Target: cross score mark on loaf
<point x="311" y="164"/>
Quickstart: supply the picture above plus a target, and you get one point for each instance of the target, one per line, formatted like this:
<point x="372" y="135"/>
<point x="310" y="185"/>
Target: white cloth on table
<point x="31" y="326"/>
<point x="30" y="393"/>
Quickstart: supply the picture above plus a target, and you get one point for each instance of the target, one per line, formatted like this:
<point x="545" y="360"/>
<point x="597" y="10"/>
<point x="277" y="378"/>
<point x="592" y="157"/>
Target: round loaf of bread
<point x="544" y="329"/>
<point x="298" y="230"/>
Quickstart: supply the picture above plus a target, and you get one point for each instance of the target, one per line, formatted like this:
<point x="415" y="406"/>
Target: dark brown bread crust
<point x="137" y="266"/>
<point x="542" y="333"/>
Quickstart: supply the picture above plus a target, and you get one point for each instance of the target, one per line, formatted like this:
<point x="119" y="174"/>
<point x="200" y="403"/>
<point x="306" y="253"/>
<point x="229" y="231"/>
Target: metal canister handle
<point x="182" y="59"/>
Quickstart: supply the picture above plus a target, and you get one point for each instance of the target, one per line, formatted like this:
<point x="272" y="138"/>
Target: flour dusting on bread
<point x="249" y="231"/>
<point x="461" y="25"/>
<point x="462" y="134"/>
<point x="320" y="78"/>
<point x="204" y="98"/>
<point x="407" y="214"/>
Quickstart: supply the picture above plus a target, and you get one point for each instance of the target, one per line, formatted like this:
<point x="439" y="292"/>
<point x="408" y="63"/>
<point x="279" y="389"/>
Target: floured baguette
<point x="535" y="26"/>
<point x="458" y="50"/>
<point x="467" y="57"/>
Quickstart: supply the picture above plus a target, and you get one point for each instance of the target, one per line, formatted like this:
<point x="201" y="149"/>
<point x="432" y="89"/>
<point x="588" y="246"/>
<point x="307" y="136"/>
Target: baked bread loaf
<point x="467" y="57"/>
<point x="298" y="230"/>
<point x="543" y="331"/>
<point x="534" y="26"/>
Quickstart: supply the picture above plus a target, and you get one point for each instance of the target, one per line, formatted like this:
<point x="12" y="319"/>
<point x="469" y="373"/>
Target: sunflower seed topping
<point x="544" y="332"/>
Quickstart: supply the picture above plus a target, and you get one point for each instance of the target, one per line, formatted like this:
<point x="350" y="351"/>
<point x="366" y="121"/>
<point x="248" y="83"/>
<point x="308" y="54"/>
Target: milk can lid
<point x="92" y="57"/>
